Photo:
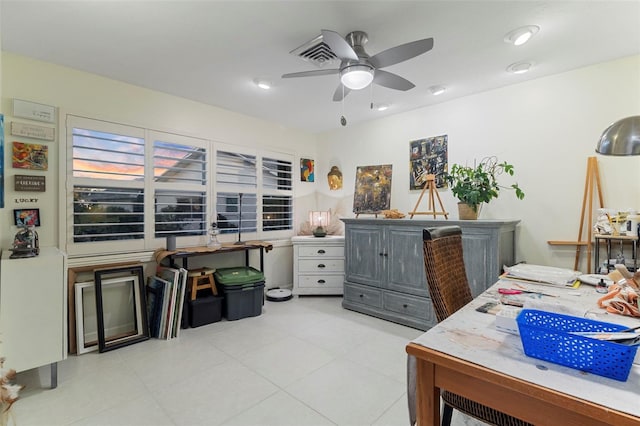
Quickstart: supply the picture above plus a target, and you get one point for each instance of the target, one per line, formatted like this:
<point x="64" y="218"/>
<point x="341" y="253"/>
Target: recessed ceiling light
<point x="382" y="107"/>
<point x="519" y="67"/>
<point x="263" y="84"/>
<point x="437" y="90"/>
<point x="521" y="35"/>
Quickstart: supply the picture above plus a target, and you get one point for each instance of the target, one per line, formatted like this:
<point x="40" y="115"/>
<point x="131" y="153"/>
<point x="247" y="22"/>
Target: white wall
<point x="93" y="96"/>
<point x="546" y="128"/>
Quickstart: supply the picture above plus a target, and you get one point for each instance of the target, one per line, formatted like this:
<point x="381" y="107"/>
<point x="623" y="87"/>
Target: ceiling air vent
<point x="317" y="52"/>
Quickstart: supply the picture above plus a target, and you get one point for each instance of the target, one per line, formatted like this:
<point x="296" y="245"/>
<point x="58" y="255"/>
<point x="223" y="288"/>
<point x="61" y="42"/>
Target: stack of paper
<point x="539" y="274"/>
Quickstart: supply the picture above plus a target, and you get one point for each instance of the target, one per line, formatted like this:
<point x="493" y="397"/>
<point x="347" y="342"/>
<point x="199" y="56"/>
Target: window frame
<point x="259" y="190"/>
<point x="210" y="188"/>
<point x="149" y="242"/>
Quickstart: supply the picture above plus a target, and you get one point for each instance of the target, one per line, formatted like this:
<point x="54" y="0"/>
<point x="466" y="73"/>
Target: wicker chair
<point x="449" y="290"/>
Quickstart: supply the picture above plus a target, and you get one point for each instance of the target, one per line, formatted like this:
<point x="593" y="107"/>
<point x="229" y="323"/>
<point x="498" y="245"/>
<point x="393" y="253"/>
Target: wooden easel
<point x="430" y="184"/>
<point x="592" y="180"/>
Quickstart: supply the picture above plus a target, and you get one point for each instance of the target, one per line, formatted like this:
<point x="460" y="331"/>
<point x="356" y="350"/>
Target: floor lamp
<point x="239" y="242"/>
<point x="621" y="138"/>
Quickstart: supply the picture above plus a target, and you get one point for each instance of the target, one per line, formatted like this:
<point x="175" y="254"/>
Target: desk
<point x="466" y="355"/>
<point x="185" y="253"/>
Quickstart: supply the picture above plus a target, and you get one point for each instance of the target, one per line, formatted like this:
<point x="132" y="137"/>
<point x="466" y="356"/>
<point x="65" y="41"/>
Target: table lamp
<point x="319" y="222"/>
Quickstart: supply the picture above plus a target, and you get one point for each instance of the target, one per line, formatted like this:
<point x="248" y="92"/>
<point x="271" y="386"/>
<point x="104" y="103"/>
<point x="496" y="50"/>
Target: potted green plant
<point x="478" y="184"/>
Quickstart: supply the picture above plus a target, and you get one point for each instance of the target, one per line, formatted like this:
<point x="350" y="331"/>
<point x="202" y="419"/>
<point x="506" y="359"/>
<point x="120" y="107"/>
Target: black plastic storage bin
<point x="205" y="310"/>
<point x="243" y="301"/>
<point x="243" y="289"/>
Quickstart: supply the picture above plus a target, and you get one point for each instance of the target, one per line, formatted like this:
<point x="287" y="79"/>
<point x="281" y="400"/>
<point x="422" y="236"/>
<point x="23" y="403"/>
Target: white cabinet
<point x="33" y="300"/>
<point x="318" y="265"/>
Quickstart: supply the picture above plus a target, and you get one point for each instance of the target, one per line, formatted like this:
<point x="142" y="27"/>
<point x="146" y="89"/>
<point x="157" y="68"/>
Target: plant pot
<point x="466" y="212"/>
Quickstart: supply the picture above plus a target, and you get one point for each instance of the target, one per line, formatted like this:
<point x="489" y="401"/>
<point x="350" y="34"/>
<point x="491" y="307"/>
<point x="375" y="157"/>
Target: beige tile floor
<point x="303" y="362"/>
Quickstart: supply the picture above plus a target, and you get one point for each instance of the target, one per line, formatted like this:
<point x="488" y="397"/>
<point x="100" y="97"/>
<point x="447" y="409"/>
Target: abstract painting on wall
<point x="373" y="189"/>
<point x="307" y="169"/>
<point x="428" y="156"/>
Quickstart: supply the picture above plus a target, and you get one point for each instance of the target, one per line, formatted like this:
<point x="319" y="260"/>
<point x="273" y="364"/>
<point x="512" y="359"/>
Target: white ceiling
<point x="211" y="51"/>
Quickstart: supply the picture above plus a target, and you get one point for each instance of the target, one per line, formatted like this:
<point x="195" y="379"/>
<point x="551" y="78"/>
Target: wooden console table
<point x="187" y="252"/>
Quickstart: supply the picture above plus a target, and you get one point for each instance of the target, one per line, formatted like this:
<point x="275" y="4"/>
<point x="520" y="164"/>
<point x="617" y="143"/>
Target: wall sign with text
<point x="29" y="183"/>
<point x="33" y="131"/>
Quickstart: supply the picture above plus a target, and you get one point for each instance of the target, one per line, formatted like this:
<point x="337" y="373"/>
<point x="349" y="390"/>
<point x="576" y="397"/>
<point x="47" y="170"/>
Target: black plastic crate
<point x="205" y="310"/>
<point x="243" y="301"/>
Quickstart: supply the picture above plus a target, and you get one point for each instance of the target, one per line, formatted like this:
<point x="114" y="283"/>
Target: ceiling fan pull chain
<point x="371" y="95"/>
<point x="343" y="120"/>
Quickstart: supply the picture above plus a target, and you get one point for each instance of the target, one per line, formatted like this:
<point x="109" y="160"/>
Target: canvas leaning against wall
<point x="428" y="156"/>
<point x="373" y="189"/>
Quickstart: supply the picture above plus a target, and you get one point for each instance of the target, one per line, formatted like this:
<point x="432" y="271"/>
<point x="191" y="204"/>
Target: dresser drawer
<point x="321" y="281"/>
<point x="409" y="305"/>
<point x="320" y="265"/>
<point x="363" y="295"/>
<point x="321" y="251"/>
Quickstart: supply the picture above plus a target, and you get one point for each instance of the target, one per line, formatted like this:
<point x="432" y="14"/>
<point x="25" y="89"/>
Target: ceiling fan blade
<point x="339" y="45"/>
<point x="392" y="81"/>
<point x="401" y="53"/>
<point x="312" y="73"/>
<point x="338" y="95"/>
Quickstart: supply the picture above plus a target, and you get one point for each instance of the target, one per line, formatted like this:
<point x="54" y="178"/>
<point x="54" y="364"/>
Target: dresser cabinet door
<point x="405" y="265"/>
<point x="365" y="255"/>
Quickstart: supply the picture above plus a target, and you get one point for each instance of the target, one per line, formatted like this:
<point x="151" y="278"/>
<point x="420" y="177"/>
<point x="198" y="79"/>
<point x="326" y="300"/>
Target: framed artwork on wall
<point x="30" y="156"/>
<point x="373" y="189"/>
<point x="428" y="156"/>
<point x="307" y="170"/>
<point x="26" y="217"/>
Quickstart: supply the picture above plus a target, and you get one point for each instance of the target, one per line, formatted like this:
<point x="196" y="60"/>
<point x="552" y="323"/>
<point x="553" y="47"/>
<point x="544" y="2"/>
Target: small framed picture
<point x="307" y="169"/>
<point x="26" y="217"/>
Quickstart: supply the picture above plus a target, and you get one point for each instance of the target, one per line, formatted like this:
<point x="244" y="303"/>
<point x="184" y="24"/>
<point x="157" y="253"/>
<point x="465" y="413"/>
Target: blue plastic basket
<point x="546" y="335"/>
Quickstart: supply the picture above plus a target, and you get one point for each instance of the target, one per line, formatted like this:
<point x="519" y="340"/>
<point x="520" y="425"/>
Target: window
<point x="250" y="201"/>
<point x="277" y="181"/>
<point x="106" y="214"/>
<point x="180" y="178"/>
<point x="130" y="186"/>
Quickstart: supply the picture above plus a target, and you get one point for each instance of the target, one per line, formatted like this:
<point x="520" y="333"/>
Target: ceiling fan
<point x="358" y="69"/>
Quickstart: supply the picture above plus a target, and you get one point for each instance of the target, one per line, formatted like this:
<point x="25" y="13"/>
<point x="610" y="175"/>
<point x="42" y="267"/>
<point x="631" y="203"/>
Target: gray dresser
<point x="384" y="266"/>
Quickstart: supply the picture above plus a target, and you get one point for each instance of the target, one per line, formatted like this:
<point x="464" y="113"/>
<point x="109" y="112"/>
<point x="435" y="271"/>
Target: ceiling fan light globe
<point x="356" y="77"/>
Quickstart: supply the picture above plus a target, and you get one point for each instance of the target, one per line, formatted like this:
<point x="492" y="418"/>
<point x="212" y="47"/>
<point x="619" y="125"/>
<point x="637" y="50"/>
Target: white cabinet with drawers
<point x="318" y="265"/>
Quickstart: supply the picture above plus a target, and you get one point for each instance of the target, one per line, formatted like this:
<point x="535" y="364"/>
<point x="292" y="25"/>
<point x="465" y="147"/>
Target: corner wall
<point x="546" y="128"/>
<point x="80" y="93"/>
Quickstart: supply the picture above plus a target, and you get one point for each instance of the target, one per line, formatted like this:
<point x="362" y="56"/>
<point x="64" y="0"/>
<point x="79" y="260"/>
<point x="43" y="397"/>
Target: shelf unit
<point x="33" y="294"/>
<point x="609" y="241"/>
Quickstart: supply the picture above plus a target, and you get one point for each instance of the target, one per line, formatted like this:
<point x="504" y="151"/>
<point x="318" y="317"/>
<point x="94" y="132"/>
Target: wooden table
<point x="187" y="252"/>
<point x="466" y="355"/>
